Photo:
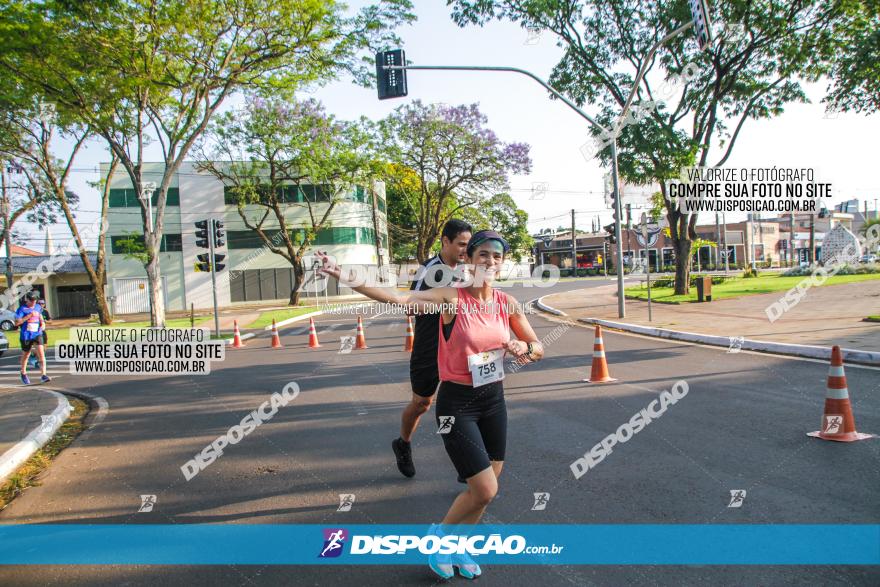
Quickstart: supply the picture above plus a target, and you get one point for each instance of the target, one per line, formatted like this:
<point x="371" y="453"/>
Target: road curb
<point x="549" y="309"/>
<point x="243" y="337"/>
<point x="13" y="458"/>
<point x="855" y="356"/>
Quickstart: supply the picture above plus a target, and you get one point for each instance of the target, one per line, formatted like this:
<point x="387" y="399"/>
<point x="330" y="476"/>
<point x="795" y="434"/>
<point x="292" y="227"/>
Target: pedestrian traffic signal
<point x="218" y="234"/>
<point x="202" y="234"/>
<point x="204" y="263"/>
<point x="218" y="266"/>
<point x="391" y="83"/>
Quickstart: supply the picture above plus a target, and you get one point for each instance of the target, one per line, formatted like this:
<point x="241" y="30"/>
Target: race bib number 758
<point x="486" y="367"/>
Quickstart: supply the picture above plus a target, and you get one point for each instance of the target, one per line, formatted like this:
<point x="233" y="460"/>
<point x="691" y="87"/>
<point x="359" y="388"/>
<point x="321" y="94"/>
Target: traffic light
<point x="391" y="83"/>
<point x="218" y="266"/>
<point x="612" y="235"/>
<point x="204" y="263"/>
<point x="218" y="234"/>
<point x="202" y="234"/>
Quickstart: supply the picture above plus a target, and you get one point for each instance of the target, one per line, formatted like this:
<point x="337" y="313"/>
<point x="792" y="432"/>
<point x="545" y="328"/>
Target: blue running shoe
<point x="45" y="379"/>
<point x="441" y="564"/>
<point x="467" y="568"/>
<point x="25" y="380"/>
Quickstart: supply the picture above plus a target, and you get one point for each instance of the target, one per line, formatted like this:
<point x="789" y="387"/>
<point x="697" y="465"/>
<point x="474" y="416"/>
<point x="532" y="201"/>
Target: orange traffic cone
<point x="276" y="340"/>
<point x="599" y="372"/>
<point x="313" y="335"/>
<point x="408" y="340"/>
<point x="236" y="336"/>
<point x="360" y="342"/>
<point x="837" y="421"/>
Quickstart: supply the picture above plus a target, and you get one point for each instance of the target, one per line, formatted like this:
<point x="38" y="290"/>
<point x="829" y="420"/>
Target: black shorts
<point x="478" y="434"/>
<point x="424" y="380"/>
<point x="27" y="345"/>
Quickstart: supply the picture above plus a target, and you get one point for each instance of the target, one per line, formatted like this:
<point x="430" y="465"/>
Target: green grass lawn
<point x="737" y="287"/>
<point x="265" y="318"/>
<point x="872" y="319"/>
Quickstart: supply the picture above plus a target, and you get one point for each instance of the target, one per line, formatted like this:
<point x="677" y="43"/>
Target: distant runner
<point x="423" y="374"/>
<point x="30" y="318"/>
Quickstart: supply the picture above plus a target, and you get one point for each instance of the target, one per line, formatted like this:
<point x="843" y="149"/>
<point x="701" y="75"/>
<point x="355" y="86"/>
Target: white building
<point x="252" y="273"/>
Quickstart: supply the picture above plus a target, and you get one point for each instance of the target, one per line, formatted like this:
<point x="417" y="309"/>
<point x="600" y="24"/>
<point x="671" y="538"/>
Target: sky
<point x="842" y="149"/>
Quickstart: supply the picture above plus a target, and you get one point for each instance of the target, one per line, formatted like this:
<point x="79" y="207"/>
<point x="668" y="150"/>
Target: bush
<point x="583" y="272"/>
<point x="564" y="272"/>
<point x="750" y="273"/>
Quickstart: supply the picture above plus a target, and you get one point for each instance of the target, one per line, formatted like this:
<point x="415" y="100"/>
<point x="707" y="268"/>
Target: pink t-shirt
<point x="479" y="327"/>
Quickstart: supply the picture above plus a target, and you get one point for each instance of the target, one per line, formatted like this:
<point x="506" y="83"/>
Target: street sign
<point x="391" y="83"/>
<point x="702" y="24"/>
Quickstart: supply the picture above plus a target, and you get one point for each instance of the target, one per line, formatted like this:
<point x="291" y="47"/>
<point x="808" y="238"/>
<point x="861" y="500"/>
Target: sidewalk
<point x="825" y="316"/>
<point x="29" y="416"/>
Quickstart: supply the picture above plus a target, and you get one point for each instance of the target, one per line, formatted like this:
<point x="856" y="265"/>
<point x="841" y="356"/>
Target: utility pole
<point x="4" y="202"/>
<point x="376" y="230"/>
<point x="812" y="239"/>
<point x="791" y="239"/>
<point x="574" y="257"/>
<point x="717" y="243"/>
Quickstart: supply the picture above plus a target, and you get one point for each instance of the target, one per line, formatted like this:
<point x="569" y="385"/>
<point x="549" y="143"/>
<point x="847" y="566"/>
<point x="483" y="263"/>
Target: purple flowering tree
<point x="286" y="165"/>
<point x="445" y="159"/>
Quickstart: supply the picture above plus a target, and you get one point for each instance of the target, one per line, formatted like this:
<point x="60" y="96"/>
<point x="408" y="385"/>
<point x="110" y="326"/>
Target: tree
<point x="276" y="157"/>
<point x="156" y="71"/>
<point x="402" y="188"/>
<point x="501" y="214"/>
<point x="453" y="155"/>
<point x="28" y="132"/>
<point x="751" y="72"/>
<point x="855" y="73"/>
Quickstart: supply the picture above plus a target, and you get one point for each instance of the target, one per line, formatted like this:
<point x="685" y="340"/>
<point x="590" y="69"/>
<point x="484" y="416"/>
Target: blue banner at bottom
<point x="624" y="544"/>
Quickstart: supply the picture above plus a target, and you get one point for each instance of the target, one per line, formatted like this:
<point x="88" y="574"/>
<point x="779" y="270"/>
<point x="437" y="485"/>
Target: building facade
<point x="356" y="232"/>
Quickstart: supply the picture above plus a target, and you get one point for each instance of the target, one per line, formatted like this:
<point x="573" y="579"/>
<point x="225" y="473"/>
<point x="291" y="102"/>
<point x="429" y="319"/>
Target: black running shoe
<point x="403" y="453"/>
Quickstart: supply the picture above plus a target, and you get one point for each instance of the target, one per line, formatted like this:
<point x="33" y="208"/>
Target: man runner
<point x="30" y="318"/>
<point x="423" y="374"/>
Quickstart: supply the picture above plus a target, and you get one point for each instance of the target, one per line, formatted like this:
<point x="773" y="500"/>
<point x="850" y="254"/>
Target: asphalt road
<point x="742" y="425"/>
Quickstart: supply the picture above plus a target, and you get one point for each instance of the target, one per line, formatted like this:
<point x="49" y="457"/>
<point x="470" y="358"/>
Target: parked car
<point x="4" y="344"/>
<point x="869" y="258"/>
<point x="7" y="320"/>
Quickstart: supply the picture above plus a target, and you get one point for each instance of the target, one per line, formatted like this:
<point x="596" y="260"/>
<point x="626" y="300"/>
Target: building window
<point x="171" y="243"/>
<point x="668" y="256"/>
<point x="337" y="235"/>
<point x="127" y="198"/>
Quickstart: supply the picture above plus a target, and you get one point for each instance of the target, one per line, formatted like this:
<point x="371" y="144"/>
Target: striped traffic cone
<point x="276" y="340"/>
<point x="599" y="372"/>
<point x="837" y="420"/>
<point x="236" y="336"/>
<point x="313" y="335"/>
<point x="360" y="342"/>
<point x="408" y="340"/>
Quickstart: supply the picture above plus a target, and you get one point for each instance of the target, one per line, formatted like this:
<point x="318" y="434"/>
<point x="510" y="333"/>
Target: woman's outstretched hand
<point x="328" y="267"/>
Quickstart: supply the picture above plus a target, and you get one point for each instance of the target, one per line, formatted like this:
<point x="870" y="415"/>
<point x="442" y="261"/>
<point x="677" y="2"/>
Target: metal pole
<point x="621" y="305"/>
<point x="717" y="242"/>
<point x="213" y="276"/>
<point x="726" y="250"/>
<point x="574" y="256"/>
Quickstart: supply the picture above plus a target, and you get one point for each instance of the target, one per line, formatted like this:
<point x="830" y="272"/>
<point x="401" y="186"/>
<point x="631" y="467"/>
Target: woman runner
<point x="471" y="413"/>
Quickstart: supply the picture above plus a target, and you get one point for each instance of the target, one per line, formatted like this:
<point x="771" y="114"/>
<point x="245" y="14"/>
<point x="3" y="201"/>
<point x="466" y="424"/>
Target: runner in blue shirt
<point x="30" y="318"/>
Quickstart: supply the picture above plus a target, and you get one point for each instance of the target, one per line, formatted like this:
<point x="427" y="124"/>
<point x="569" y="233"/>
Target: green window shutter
<point x="117" y="198"/>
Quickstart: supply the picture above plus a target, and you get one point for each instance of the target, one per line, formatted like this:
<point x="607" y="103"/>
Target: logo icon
<point x="833" y="424"/>
<point x="334" y="540"/>
<point x="346" y="500"/>
<point x="446" y="423"/>
<point x="737" y="496"/>
<point x="147" y="503"/>
<point x="346" y="343"/>
<point x="736" y="344"/>
<point x="539" y="190"/>
<point x="541" y="500"/>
